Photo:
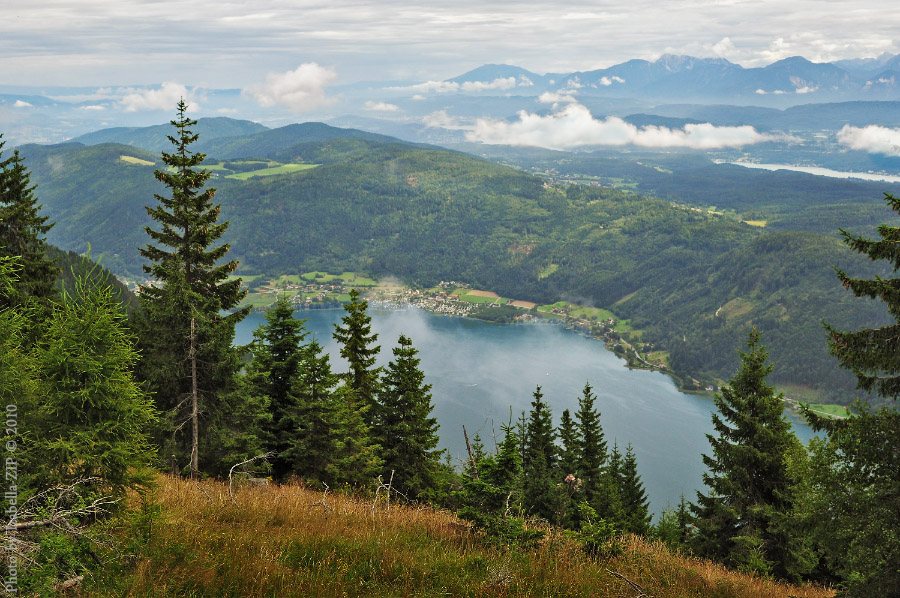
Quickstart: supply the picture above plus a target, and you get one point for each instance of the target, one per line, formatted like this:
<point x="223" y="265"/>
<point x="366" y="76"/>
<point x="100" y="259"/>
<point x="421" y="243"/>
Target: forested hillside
<point x="427" y="215"/>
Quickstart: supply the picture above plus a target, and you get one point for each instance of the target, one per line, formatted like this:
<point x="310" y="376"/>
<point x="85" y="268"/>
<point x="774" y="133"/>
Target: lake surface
<point x="840" y="174"/>
<point x="479" y="370"/>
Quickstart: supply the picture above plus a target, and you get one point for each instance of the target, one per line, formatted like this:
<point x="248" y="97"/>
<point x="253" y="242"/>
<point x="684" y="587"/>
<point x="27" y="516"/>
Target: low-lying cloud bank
<point x="873" y="139"/>
<point x="300" y="89"/>
<point x="572" y="125"/>
<point x="501" y="83"/>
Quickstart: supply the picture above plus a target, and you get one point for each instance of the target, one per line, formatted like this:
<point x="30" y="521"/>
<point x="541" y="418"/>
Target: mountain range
<point x="425" y="111"/>
<point x="709" y="80"/>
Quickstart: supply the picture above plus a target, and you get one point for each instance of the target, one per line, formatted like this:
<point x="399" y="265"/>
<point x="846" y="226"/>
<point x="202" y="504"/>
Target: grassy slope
<point x="281" y="541"/>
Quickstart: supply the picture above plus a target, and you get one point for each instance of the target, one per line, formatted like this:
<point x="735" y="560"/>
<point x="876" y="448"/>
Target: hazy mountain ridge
<point x="682" y="78"/>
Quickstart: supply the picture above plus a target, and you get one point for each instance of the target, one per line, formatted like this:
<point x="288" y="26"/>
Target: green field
<point x="351" y="278"/>
<point x="465" y="296"/>
<point x="271" y="171"/>
<point x="839" y="411"/>
<point x="133" y="160"/>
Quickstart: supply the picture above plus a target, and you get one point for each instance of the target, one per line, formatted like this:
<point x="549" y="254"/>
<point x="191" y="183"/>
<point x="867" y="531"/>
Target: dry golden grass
<point x="281" y="541"/>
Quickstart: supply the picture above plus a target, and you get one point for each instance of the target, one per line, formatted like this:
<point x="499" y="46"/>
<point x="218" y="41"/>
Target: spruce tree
<point x="313" y="438"/>
<point x="635" y="505"/>
<point x="91" y="417"/>
<point x="592" y="457"/>
<point x="404" y="426"/>
<point x="22" y="231"/>
<point x="357" y="347"/>
<point x="858" y="485"/>
<point x="741" y="520"/>
<point x="571" y="445"/>
<point x="278" y="353"/>
<point x="539" y="464"/>
<point x="187" y="343"/>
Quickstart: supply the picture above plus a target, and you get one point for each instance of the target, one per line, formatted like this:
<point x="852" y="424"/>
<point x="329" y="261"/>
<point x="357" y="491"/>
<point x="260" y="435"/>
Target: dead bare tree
<point x="263" y="457"/>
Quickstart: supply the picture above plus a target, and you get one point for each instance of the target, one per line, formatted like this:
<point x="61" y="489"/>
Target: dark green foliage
<point x="571" y="444"/>
<point x="277" y="357"/>
<point x="592" y="455"/>
<point x="22" y="230"/>
<point x="540" y="496"/>
<point x="742" y="521"/>
<point x="91" y="418"/>
<point x="635" y="505"/>
<point x="855" y="501"/>
<point x="357" y="347"/>
<point x="673" y="526"/>
<point x="192" y="290"/>
<point x="491" y="500"/>
<point x="871" y="354"/>
<point x="857" y="467"/>
<point x="404" y="426"/>
<point x="601" y="539"/>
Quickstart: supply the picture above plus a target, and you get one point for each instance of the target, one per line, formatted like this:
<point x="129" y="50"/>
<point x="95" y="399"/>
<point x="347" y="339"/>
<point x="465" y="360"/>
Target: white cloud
<point x="452" y="86"/>
<point x="556" y="97"/>
<point x="761" y="92"/>
<point x="380" y="106"/>
<point x="499" y="83"/>
<point x="93" y="108"/>
<point x="418" y="97"/>
<point x="300" y="89"/>
<point x="22" y="104"/>
<point x="429" y="86"/>
<point x="166" y="97"/>
<point x="573" y="126"/>
<point x="607" y="81"/>
<point x="806" y="89"/>
<point x="724" y="48"/>
<point x="872" y="139"/>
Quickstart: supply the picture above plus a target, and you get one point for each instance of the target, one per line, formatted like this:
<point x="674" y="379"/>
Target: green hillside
<point x="267" y="143"/>
<point x="155" y="138"/>
<point x="427" y="215"/>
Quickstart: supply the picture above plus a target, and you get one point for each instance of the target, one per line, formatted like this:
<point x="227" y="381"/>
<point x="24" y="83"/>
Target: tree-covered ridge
<point x="427" y="215"/>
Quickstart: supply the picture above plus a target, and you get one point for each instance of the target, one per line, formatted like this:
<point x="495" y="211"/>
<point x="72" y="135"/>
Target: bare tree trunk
<point x="195" y="440"/>
<point x="469" y="450"/>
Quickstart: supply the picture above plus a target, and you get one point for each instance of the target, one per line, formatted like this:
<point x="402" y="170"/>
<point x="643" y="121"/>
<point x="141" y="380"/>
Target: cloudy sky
<point x="237" y="45"/>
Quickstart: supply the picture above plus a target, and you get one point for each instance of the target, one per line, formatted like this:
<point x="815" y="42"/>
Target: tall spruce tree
<point x="187" y="342"/>
<point x="404" y="426"/>
<point x="858" y="466"/>
<point x="539" y="464"/>
<point x="357" y="347"/>
<point x="592" y="456"/>
<point x="742" y="520"/>
<point x="22" y="231"/>
<point x="635" y="504"/>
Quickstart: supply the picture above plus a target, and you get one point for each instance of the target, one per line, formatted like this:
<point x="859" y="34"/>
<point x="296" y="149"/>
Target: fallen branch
<point x="641" y="592"/>
<point x="264" y="456"/>
<point x="325" y="507"/>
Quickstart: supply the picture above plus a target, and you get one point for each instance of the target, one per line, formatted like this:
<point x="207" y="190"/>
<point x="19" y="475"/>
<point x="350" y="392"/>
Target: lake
<point x="840" y="174"/>
<point x="478" y="371"/>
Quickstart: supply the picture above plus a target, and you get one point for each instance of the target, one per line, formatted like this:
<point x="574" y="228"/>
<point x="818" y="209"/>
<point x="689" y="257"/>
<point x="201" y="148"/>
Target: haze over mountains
<point x="446" y="111"/>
